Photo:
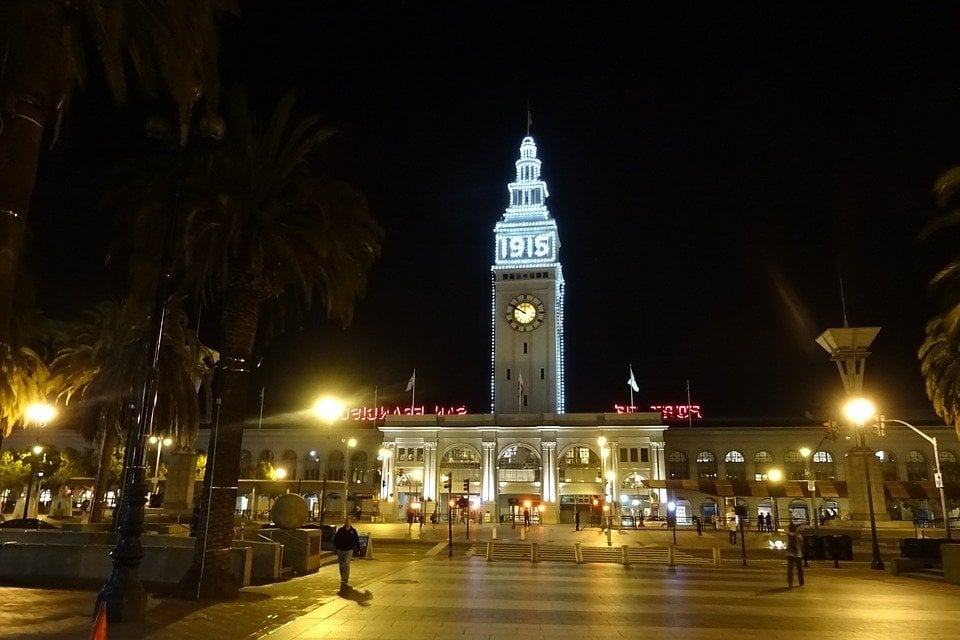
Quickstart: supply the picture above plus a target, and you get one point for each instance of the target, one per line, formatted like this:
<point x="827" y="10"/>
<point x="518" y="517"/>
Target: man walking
<point x="345" y="542"/>
<point x="794" y="554"/>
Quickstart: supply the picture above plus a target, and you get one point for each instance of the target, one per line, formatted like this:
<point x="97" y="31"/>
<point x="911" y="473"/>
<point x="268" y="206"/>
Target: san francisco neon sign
<point x="380" y="413"/>
<point x="667" y="411"/>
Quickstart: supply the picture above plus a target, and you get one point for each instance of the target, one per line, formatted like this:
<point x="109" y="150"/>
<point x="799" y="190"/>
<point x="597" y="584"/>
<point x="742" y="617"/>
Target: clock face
<point x="525" y="313"/>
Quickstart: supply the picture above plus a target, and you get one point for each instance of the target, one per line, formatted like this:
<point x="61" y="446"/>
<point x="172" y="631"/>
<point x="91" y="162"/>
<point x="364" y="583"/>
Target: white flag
<point x="412" y="381"/>
<point x="520" y="383"/>
<point x="632" y="382"/>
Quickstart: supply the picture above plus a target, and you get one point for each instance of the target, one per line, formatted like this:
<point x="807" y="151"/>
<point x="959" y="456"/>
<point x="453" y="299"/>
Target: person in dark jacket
<point x="345" y="542"/>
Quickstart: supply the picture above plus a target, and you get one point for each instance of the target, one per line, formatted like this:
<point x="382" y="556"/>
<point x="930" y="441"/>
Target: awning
<point x="893" y="489"/>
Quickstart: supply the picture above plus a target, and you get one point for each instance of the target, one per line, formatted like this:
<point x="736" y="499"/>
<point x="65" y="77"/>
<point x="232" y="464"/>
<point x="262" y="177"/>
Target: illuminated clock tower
<point x="527" y="298"/>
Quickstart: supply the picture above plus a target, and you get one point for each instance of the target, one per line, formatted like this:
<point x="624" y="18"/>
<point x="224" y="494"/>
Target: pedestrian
<point x="733" y="529"/>
<point x="769" y="523"/>
<point x="576" y="520"/>
<point x="420" y="520"/>
<point x="346" y="541"/>
<point x="526" y="517"/>
<point x="794" y="554"/>
<point x="698" y="524"/>
<point x="760" y="522"/>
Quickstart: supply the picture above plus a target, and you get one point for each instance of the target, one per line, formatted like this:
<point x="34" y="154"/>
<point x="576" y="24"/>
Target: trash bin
<point x="813" y="548"/>
<point x="841" y="547"/>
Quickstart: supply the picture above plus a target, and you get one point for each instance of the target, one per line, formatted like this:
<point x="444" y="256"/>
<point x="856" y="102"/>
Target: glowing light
<point x="40" y="413"/>
<point x="858" y="410"/>
<point x="279" y="473"/>
<point x="328" y="409"/>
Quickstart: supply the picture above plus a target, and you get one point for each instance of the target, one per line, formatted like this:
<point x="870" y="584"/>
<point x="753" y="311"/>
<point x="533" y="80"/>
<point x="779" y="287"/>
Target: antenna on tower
<point x="843" y="304"/>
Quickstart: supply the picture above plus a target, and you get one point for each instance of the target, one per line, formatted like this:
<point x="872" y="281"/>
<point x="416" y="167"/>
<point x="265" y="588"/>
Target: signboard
<point x="364" y="544"/>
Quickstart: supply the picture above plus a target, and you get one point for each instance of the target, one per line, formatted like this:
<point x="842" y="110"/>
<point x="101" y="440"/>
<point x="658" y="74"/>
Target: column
<point x="548" y="471"/>
<point x="488" y="467"/>
<point x="386" y="471"/>
<point x="659" y="468"/>
<point x="615" y="467"/>
<point x="429" y="470"/>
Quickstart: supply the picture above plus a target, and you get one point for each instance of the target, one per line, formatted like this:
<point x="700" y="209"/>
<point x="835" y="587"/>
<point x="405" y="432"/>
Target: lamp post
<point x="611" y="477"/>
<point x="34" y="463"/>
<point x="349" y="443"/>
<point x="328" y="409"/>
<point x="807" y="456"/>
<point x="775" y="476"/>
<point x="858" y="410"/>
<point x="160" y="443"/>
<point x="39" y="414"/>
<point x="938" y="477"/>
<point x="672" y="517"/>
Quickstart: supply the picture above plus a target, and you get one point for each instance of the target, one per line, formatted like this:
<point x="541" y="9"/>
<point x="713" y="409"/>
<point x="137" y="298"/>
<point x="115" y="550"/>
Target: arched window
<point x="794" y="465"/>
<point x="358" y="467"/>
<point x="763" y="456"/>
<point x="916" y="465"/>
<point x="290" y="464"/>
<point x="579" y="463"/>
<point x="823" y="466"/>
<point x="677" y="467"/>
<point x="888" y="465"/>
<point x="947" y="456"/>
<point x="335" y="465"/>
<point x="460" y="463"/>
<point x="734" y="466"/>
<point x="518" y="463"/>
<point x="706" y="465"/>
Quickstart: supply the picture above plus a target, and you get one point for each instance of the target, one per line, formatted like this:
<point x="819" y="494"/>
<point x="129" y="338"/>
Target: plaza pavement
<point x="417" y="591"/>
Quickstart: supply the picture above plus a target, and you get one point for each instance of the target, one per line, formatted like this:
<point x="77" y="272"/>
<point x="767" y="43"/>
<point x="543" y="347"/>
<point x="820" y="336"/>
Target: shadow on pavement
<point x="362" y="598"/>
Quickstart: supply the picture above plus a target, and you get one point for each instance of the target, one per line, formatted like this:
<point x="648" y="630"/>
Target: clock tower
<point x="527" y="298"/>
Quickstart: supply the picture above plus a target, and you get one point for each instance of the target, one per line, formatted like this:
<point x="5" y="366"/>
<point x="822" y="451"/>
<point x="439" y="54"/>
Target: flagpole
<point x="413" y="394"/>
<point x="689" y="413"/>
<point x="376" y="411"/>
<point x="260" y="423"/>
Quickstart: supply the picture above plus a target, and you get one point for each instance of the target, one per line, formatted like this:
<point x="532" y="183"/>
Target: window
<point x="677" y="468"/>
<point x="644" y="454"/>
<point x="823" y="466"/>
<point x="706" y="465"/>
<point x="888" y="465"/>
<point x="629" y="454"/>
<point x="734" y="466"/>
<point x="916" y="466"/>
<point x="763" y="456"/>
<point x="795" y="465"/>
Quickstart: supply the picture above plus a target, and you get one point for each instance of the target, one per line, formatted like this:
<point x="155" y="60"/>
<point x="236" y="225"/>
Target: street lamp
<point x="806" y="454"/>
<point x="672" y="518"/>
<point x="858" y="410"/>
<point x="938" y="476"/>
<point x="328" y="409"/>
<point x="348" y="443"/>
<point x="34" y="463"/>
<point x="775" y="476"/>
<point x="160" y="443"/>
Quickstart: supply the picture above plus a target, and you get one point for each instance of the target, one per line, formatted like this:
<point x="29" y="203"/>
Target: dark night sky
<point x="713" y="174"/>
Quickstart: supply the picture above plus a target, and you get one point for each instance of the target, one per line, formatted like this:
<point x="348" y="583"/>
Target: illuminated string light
<point x="526" y="236"/>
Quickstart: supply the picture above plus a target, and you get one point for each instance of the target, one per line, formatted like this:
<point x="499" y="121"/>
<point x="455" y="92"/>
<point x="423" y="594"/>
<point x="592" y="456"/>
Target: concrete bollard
<point x="523" y="533"/>
<point x="716" y="556"/>
<point x="578" y="552"/>
<point x="609" y="541"/>
<point x="495" y="533"/>
<point x="670" y="558"/>
<point x="625" y="549"/>
<point x="535" y="553"/>
<point x="489" y="551"/>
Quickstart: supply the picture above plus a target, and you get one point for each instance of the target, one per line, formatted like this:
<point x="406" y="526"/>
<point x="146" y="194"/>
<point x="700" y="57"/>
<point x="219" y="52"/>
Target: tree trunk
<point x="33" y="81"/>
<point x="103" y="475"/>
<point x="211" y="575"/>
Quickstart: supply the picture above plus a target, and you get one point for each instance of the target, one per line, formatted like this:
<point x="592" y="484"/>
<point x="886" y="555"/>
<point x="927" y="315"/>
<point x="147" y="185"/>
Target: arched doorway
<point x="518" y="478"/>
<point x="580" y="483"/>
<point x="460" y="466"/>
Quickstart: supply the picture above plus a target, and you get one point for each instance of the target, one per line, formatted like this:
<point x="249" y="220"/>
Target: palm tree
<point x="104" y="367"/>
<point x="269" y="233"/>
<point x="170" y="47"/>
<point x="940" y="352"/>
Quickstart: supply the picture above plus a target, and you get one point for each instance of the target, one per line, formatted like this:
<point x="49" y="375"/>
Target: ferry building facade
<point x="527" y="454"/>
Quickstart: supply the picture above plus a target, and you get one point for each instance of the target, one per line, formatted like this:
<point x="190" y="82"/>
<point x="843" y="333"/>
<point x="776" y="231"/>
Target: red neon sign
<point x="380" y="413"/>
<point x="667" y="411"/>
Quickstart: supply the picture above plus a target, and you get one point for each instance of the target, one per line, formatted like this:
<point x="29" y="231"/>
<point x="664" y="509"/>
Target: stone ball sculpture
<point x="289" y="511"/>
